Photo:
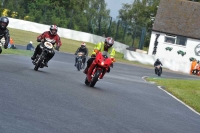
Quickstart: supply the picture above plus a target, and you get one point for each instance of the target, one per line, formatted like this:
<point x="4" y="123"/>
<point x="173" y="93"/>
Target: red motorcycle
<point x="98" y="68"/>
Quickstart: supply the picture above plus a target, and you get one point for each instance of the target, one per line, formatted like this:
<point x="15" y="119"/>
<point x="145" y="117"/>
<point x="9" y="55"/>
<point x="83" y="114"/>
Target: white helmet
<point x="83" y="45"/>
<point x="53" y="29"/>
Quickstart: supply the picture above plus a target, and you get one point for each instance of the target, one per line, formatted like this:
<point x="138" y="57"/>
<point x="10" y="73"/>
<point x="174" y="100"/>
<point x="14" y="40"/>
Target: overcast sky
<point x="115" y="5"/>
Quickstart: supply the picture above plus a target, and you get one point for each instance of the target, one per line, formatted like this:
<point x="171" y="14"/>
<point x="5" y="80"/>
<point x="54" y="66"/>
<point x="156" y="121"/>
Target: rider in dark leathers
<point x="157" y="63"/>
<point x="4" y="32"/>
<point x="84" y="50"/>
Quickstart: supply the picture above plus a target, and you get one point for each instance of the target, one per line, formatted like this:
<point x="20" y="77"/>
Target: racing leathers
<point x="46" y="36"/>
<point x="157" y="63"/>
<point x="100" y="47"/>
<point x="83" y="50"/>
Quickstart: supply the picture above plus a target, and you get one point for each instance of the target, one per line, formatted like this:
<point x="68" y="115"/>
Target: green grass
<point x="187" y="91"/>
<point x="17" y="52"/>
<point x="24" y="37"/>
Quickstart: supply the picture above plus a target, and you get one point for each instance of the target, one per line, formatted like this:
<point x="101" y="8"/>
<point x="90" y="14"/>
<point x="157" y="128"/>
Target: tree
<point x="137" y="15"/>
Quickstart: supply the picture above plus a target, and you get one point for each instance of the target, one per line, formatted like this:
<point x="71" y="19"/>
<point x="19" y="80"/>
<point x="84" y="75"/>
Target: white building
<point x="175" y="38"/>
<point x="177" y="28"/>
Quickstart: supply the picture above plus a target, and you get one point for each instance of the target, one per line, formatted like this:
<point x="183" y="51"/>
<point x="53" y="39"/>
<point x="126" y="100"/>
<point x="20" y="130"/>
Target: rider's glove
<point x="113" y="59"/>
<point x="57" y="48"/>
<point x="38" y="40"/>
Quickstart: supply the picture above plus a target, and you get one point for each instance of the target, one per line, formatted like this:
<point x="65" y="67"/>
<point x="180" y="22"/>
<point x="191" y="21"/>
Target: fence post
<point x="116" y="34"/>
<point x="70" y="26"/>
<point x="124" y="31"/>
<point x="134" y="34"/>
<point x="100" y="25"/>
<point x="2" y="3"/>
<point x="142" y="38"/>
<point x="109" y="26"/>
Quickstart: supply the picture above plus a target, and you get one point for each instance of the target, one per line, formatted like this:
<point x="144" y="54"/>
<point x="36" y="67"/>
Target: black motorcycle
<point x="1" y="47"/>
<point x="79" y="63"/>
<point x="2" y="42"/>
<point x="158" y="70"/>
<point x="46" y="47"/>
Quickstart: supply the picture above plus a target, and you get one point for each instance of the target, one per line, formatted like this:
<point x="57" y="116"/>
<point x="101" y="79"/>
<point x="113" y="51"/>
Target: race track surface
<point x="56" y="100"/>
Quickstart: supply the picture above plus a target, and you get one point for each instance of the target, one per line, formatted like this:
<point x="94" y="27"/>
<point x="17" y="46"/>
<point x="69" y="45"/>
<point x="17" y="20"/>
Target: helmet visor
<point x="53" y="31"/>
<point x="108" y="45"/>
<point x="82" y="46"/>
<point x="3" y="24"/>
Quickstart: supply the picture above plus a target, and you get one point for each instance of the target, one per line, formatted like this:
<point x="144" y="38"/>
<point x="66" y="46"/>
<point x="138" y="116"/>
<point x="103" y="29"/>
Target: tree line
<point x="133" y="22"/>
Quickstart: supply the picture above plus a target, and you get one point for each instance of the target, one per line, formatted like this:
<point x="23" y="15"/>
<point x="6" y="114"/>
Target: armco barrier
<point x="172" y="64"/>
<point x="66" y="33"/>
<point x="169" y="63"/>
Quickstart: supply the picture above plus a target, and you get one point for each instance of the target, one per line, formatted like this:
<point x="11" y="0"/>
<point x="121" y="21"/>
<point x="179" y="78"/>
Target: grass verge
<point x="17" y="52"/>
<point x="187" y="91"/>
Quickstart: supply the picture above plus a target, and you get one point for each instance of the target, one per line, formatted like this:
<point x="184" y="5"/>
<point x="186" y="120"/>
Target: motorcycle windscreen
<point x="80" y="54"/>
<point x="105" y="53"/>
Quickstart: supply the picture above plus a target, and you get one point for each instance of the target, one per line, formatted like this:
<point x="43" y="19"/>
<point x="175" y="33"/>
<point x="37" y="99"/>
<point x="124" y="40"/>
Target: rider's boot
<point x="46" y="61"/>
<point x="34" y="56"/>
<point x="86" y="70"/>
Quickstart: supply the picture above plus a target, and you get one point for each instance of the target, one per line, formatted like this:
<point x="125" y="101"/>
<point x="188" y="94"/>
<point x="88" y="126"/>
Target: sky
<point x="115" y="5"/>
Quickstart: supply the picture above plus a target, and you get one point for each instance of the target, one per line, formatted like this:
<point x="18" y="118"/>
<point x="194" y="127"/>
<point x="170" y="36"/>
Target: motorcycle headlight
<point x="102" y="63"/>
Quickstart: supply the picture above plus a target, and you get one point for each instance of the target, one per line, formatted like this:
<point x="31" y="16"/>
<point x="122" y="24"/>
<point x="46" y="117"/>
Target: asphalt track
<point x="56" y="100"/>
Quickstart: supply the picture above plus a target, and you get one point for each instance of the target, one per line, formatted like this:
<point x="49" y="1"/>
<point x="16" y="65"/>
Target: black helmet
<point x="4" y="21"/>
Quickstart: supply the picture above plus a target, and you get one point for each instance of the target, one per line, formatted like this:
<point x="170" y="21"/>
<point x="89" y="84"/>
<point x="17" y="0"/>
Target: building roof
<point x="179" y="17"/>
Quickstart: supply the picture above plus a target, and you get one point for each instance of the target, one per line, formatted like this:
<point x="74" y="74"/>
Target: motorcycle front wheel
<point x="78" y="65"/>
<point x="95" y="78"/>
<point x="86" y="81"/>
<point x="38" y="62"/>
<point x="159" y="72"/>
